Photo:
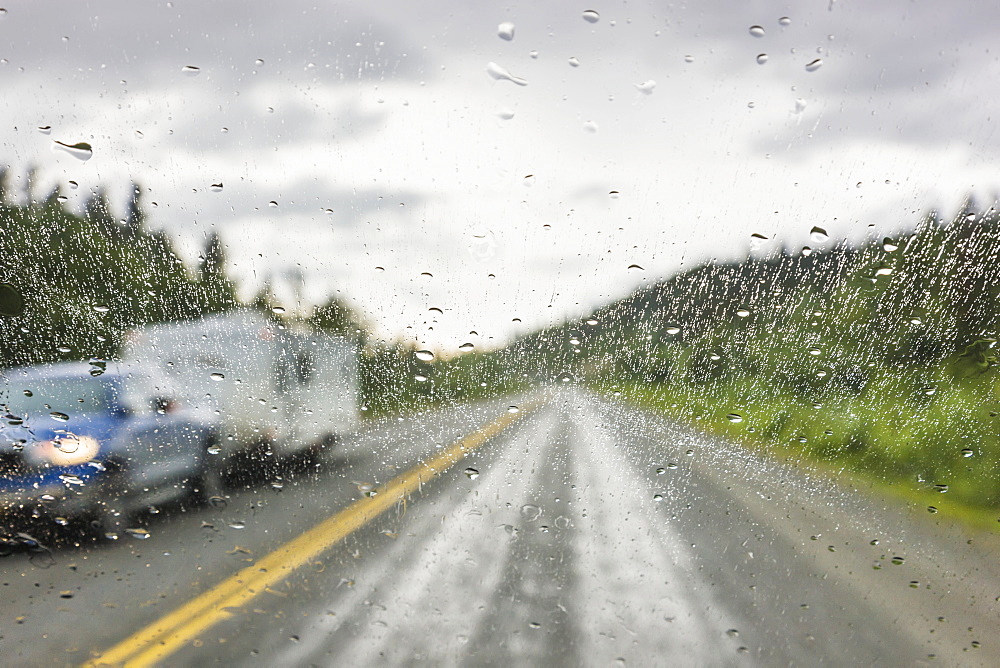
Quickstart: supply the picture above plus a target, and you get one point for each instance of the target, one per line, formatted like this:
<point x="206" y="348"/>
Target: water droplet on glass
<point x="501" y="74"/>
<point x="420" y="379"/>
<point x="505" y="31"/>
<point x="757" y="31"/>
<point x="466" y="347"/>
<point x="237" y="524"/>
<point x="590" y="16"/>
<point x="688" y="59"/>
<point x="672" y="330"/>
<point x="818" y="235"/>
<point x="278" y="310"/>
<point x="215" y="187"/>
<point x="505" y="114"/>
<point x="530" y="512"/>
<point x="590" y="126"/>
<point x="592" y="322"/>
<point x="896" y="561"/>
<point x="191" y="70"/>
<point x="138" y="533"/>
<point x="217" y="376"/>
<point x="424" y="355"/>
<point x="574" y="62"/>
<point x="45" y="129"/>
<point x="784" y="21"/>
<point x="967" y="452"/>
<point x="635" y="268"/>
<point x="734" y="417"/>
<point x="814" y="65"/>
<point x="471" y="473"/>
<point x="81" y="150"/>
<point x="533" y="54"/>
<point x="646" y="86"/>
<point x="888" y="245"/>
<point x="56" y="415"/>
<point x="761" y="58"/>
<point x="11" y="301"/>
<point x="743" y="313"/>
<point x="273" y="204"/>
<point x="513" y="409"/>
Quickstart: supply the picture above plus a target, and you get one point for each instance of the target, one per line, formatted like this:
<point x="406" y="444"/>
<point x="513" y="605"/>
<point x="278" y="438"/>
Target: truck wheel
<point x="213" y="481"/>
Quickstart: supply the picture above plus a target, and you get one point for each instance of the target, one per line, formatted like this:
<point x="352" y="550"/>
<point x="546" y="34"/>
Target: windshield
<point x="451" y="333"/>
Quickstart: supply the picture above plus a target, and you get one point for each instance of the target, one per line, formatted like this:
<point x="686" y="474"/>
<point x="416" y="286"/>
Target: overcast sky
<point x="407" y="173"/>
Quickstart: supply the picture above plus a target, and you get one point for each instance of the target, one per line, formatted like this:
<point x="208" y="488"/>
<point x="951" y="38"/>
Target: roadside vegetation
<point x="877" y="358"/>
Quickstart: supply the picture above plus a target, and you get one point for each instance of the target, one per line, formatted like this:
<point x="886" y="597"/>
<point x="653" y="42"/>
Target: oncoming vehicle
<point x="72" y="446"/>
<point x="274" y="393"/>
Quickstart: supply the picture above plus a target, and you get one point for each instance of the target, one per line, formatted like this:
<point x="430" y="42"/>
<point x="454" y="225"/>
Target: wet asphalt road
<point x="590" y="533"/>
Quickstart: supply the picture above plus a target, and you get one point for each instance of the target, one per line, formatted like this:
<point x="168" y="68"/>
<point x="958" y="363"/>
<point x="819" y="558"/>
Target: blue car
<point x="79" y="441"/>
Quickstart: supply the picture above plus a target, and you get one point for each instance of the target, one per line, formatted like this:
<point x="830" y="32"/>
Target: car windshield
<point x="500" y="333"/>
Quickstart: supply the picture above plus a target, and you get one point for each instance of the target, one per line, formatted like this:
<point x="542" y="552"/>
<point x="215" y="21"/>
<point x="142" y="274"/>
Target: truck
<point x="276" y="391"/>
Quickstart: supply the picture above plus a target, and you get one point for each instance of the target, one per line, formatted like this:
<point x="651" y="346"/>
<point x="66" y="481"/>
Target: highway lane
<point x="586" y="533"/>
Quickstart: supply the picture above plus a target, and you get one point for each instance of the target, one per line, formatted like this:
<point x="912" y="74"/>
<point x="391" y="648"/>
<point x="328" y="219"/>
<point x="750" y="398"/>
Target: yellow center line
<point x="175" y="629"/>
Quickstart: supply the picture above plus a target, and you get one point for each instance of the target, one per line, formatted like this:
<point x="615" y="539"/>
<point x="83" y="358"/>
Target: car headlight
<point x="64" y="451"/>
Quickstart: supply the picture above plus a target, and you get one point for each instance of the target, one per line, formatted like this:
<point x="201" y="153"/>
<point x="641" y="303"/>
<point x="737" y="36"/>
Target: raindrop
<point x="45" y="129"/>
<point x="513" y="409"/>
<point x="215" y="187"/>
<point x="217" y="376"/>
<point x="888" y="245"/>
<point x="592" y="322"/>
<point x="100" y="308"/>
<point x="11" y="301"/>
<point x="590" y="126"/>
<point x="81" y="150"/>
<point x="505" y="31"/>
<point x="420" y="379"/>
<point x="818" y="235"/>
<point x="471" y="473"/>
<point x="533" y="54"/>
<point x="424" y="355"/>
<point x="213" y="450"/>
<point x="897" y="561"/>
<point x="814" y="65"/>
<point x="237" y="524"/>
<point x="191" y="70"/>
<point x="217" y="502"/>
<point x="646" y="86"/>
<point x="657" y="497"/>
<point x="761" y="58"/>
<point x="466" y="347"/>
<point x="932" y="510"/>
<point x="757" y="31"/>
<point x="505" y="114"/>
<point x="138" y="534"/>
<point x="56" y="415"/>
<point x="613" y="194"/>
<point x="278" y="310"/>
<point x="64" y="349"/>
<point x="590" y="16"/>
<point x="272" y="204"/>
<point x="672" y="330"/>
<point x="743" y="313"/>
<point x="501" y="74"/>
<point x="967" y="452"/>
<point x="784" y="21"/>
<point x="635" y="267"/>
<point x="806" y="251"/>
<point x="734" y="417"/>
<point x="688" y="59"/>
<point x="530" y="512"/>
<point x="661" y="471"/>
<point x="574" y="62"/>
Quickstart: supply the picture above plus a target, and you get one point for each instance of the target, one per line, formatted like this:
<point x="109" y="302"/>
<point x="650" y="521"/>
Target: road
<point x="586" y="532"/>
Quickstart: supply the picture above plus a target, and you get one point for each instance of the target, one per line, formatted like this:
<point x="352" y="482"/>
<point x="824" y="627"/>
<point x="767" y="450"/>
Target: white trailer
<point x="272" y="389"/>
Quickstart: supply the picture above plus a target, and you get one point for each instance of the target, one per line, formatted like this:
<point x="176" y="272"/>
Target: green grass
<point x="897" y="446"/>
